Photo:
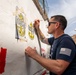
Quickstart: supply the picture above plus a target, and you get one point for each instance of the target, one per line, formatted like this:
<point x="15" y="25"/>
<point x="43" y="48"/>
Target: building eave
<point x="44" y="15"/>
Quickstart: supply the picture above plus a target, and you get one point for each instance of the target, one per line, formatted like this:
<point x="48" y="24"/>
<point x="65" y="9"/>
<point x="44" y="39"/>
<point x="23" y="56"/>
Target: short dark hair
<point x="61" y="19"/>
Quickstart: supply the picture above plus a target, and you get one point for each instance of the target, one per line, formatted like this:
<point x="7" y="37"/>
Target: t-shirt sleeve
<point x="66" y="50"/>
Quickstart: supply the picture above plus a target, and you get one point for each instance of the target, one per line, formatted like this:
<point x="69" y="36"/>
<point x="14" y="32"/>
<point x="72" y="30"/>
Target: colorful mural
<point x="20" y="24"/>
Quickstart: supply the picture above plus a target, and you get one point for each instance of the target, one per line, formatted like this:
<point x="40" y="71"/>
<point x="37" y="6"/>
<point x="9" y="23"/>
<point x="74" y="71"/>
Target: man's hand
<point x="36" y="24"/>
<point x="31" y="52"/>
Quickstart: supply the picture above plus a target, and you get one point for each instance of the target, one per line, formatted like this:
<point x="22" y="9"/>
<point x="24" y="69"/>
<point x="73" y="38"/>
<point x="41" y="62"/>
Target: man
<point x="63" y="51"/>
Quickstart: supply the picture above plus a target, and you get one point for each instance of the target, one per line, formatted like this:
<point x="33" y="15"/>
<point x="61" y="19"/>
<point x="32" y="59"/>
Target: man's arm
<point x="42" y="37"/>
<point x="55" y="66"/>
<point x="39" y="32"/>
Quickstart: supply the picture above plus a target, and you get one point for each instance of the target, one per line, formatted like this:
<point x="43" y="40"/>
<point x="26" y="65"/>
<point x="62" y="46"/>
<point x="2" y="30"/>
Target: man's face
<point x="52" y="26"/>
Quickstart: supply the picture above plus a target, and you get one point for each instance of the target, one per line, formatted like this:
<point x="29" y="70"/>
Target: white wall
<point x="16" y="61"/>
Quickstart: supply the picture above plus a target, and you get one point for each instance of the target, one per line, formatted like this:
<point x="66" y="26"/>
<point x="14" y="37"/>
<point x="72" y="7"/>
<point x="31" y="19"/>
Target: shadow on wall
<point x="28" y="64"/>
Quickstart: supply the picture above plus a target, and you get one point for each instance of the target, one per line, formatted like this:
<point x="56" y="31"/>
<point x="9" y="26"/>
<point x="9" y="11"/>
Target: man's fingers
<point x="34" y="48"/>
<point x="36" y="21"/>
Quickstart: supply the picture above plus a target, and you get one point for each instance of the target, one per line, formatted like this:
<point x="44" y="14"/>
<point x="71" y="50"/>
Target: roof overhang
<point x="44" y="15"/>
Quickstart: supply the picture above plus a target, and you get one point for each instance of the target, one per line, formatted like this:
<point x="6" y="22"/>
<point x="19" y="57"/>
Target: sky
<point x="66" y="8"/>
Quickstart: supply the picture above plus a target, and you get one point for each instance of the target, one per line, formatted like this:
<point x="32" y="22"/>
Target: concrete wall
<point x="17" y="63"/>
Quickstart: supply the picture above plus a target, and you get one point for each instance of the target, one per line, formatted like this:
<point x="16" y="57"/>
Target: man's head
<point x="61" y="19"/>
<point x="57" y="22"/>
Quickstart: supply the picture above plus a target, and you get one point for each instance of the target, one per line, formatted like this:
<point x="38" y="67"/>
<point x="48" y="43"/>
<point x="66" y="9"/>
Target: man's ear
<point x="57" y="25"/>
